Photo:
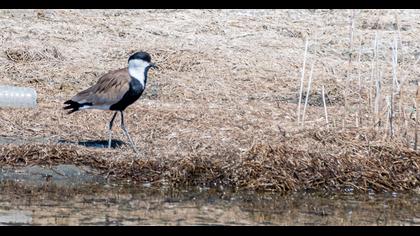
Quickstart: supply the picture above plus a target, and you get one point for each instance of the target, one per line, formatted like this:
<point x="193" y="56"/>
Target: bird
<point x="115" y="91"/>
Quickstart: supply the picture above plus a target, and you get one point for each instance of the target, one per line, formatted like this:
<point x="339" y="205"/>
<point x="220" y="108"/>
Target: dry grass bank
<point x="312" y="160"/>
<point x="223" y="106"/>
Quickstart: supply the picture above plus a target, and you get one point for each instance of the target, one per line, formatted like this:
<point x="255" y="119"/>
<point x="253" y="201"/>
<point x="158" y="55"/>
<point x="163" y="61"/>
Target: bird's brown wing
<point x="109" y="89"/>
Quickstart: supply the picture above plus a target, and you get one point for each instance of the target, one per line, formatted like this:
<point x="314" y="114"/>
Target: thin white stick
<point x="376" y="71"/>
<point x="307" y="92"/>
<point x="395" y="85"/>
<point x="372" y="75"/>
<point x="325" y="105"/>
<point x="395" y="64"/>
<point x="378" y="75"/>
<point x="377" y="97"/>
<point x="301" y="81"/>
<point x="358" y="113"/>
<point x="417" y="116"/>
<point x="389" y="116"/>
<point x="352" y="23"/>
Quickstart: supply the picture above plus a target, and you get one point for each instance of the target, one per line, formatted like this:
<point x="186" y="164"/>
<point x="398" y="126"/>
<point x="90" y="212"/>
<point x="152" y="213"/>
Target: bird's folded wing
<point x="109" y="90"/>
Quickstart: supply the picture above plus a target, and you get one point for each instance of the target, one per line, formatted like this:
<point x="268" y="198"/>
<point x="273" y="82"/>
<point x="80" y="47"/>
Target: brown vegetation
<point x="223" y="106"/>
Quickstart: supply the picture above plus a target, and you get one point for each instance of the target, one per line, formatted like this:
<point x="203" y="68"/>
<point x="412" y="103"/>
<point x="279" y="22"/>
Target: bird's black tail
<point x="72" y="105"/>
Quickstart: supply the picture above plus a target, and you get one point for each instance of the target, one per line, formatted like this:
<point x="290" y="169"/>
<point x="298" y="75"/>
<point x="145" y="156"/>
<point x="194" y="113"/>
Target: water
<point x="139" y="204"/>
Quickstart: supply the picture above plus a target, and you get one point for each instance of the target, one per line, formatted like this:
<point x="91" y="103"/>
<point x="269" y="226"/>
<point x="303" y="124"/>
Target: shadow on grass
<point x="96" y="143"/>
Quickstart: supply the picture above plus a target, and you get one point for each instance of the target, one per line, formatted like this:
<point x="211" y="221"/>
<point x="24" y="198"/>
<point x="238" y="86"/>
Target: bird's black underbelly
<point x="135" y="91"/>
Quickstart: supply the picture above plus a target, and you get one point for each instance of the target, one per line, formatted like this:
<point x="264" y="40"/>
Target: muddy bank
<point x="62" y="175"/>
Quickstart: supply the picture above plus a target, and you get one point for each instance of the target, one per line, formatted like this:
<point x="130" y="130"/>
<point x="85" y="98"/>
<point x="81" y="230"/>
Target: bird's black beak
<point x="152" y="65"/>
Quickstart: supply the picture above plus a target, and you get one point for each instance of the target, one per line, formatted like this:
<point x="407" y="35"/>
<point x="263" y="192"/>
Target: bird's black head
<point x="140" y="56"/>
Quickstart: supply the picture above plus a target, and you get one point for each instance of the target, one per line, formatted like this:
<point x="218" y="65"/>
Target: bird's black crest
<point x="140" y="55"/>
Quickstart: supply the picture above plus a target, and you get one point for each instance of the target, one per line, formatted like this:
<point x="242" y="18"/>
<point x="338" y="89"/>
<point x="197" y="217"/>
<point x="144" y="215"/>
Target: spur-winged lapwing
<point x="115" y="91"/>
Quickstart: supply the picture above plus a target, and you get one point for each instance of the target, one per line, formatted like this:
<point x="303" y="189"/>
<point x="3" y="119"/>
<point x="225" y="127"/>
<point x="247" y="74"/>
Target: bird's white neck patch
<point x="136" y="69"/>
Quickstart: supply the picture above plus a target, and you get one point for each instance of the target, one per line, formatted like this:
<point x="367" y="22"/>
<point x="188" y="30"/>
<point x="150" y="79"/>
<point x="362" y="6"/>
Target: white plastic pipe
<point x="11" y="96"/>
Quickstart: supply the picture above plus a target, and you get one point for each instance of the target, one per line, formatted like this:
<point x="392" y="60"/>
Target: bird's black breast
<point x="134" y="93"/>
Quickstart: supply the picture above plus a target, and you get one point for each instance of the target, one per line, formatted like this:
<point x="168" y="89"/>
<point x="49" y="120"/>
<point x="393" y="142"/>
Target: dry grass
<point x="223" y="106"/>
<point x="311" y="160"/>
<point x="29" y="55"/>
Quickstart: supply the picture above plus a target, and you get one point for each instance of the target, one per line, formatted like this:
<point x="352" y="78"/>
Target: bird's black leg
<point x="110" y="129"/>
<point x="126" y="133"/>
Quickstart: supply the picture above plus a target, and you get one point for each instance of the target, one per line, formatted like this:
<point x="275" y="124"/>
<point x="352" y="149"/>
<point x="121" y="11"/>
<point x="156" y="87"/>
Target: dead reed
<point x="324" y="159"/>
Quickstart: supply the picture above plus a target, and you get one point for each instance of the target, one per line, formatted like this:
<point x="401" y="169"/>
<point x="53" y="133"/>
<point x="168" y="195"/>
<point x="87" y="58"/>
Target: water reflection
<point x="136" y="205"/>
